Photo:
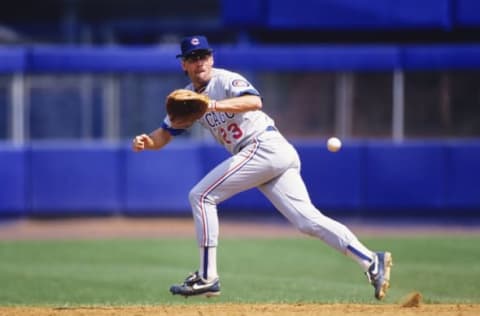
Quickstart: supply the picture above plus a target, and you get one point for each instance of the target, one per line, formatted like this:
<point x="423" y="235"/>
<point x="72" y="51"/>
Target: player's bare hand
<point x="142" y="142"/>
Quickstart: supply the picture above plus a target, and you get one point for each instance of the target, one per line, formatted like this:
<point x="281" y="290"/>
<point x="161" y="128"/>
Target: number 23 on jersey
<point x="230" y="132"/>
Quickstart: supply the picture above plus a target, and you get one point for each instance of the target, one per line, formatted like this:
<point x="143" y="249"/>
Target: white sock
<point x="361" y="254"/>
<point x="208" y="263"/>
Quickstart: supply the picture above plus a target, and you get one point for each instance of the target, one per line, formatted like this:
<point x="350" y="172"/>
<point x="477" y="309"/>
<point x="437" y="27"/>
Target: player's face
<point x="198" y="68"/>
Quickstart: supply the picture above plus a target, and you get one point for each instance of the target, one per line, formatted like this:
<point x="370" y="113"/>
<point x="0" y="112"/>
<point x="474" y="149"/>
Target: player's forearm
<point x="239" y="104"/>
<point x="160" y="138"/>
<point x="153" y="141"/>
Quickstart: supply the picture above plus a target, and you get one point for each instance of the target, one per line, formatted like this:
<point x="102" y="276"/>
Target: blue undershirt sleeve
<point x="171" y="130"/>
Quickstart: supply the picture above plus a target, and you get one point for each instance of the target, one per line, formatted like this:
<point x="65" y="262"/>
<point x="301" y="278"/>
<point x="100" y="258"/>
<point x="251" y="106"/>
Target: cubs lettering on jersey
<point x="231" y="129"/>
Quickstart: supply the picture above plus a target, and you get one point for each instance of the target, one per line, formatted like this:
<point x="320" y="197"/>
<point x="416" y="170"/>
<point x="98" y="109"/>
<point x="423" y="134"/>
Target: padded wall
<point x="13" y="180"/>
<point x="369" y="177"/>
<point x="410" y="176"/>
<point x="75" y="179"/>
<point x="159" y="181"/>
<point x="463" y="175"/>
<point x="334" y="181"/>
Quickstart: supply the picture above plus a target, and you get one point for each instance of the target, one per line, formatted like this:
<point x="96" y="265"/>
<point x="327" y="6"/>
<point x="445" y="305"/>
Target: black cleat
<point x="379" y="274"/>
<point x="194" y="284"/>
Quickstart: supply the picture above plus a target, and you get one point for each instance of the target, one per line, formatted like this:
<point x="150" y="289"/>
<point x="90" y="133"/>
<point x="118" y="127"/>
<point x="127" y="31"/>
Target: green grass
<point x="132" y="272"/>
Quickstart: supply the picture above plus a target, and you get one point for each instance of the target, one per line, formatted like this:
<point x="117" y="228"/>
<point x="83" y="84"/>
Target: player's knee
<point x="306" y="227"/>
<point x="196" y="196"/>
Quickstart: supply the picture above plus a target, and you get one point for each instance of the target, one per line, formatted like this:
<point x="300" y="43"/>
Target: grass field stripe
<point x="48" y="273"/>
<point x="224" y="177"/>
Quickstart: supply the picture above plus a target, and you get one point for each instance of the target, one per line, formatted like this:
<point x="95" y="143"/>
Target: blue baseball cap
<point x="194" y="45"/>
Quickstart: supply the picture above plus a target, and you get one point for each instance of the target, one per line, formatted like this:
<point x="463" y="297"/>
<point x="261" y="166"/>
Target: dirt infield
<point x="121" y="227"/>
<point x="249" y="309"/>
<point x="130" y="228"/>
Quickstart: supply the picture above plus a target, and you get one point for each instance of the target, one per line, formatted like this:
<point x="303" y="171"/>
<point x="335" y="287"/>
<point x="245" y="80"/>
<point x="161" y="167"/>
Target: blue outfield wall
<point x="79" y="179"/>
<point x="410" y="176"/>
<point x="14" y="199"/>
<point x="365" y="177"/>
<point x="462" y="176"/>
<point x="160" y="181"/>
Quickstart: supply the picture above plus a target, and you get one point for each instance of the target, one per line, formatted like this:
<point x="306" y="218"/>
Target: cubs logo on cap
<point x="194" y="44"/>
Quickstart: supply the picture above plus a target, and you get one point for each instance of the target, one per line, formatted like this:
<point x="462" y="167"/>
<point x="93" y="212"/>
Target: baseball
<point x="334" y="144"/>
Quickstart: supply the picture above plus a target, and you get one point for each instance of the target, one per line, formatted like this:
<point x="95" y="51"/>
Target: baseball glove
<point x="184" y="107"/>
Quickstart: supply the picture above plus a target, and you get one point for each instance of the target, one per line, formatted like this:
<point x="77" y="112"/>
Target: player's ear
<point x="184" y="67"/>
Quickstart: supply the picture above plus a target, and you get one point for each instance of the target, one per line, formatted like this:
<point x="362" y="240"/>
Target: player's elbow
<point x="257" y="103"/>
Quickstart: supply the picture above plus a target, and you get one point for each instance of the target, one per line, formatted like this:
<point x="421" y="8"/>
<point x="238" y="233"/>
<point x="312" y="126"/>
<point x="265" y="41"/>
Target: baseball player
<point x="260" y="157"/>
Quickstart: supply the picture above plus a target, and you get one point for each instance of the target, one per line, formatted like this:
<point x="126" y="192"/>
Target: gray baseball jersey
<point x="232" y="130"/>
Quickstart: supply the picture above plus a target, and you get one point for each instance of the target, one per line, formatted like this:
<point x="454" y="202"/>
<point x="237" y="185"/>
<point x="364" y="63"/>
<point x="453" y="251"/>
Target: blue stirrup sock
<point x="358" y="252"/>
<point x="208" y="263"/>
